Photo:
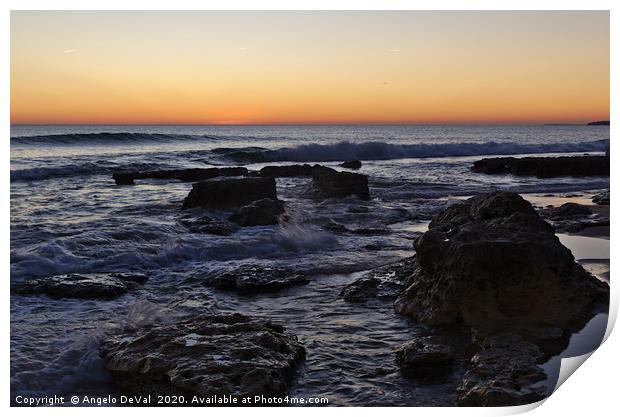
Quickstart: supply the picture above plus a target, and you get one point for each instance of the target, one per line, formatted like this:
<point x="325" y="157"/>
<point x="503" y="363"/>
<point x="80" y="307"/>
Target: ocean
<point x="67" y="215"/>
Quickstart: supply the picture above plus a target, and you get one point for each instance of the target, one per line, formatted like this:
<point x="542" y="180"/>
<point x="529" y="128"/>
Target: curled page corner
<point x="568" y="366"/>
<point x="613" y="313"/>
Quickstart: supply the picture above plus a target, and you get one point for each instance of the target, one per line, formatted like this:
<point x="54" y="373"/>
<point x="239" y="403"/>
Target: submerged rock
<point x="572" y="217"/>
<point x="209" y="225"/>
<point x="250" y="279"/>
<point x="329" y="183"/>
<point x="503" y="373"/>
<point x="355" y="164"/>
<point x="423" y="355"/>
<point x="601" y="198"/>
<point x="85" y="286"/>
<point x="386" y="282"/>
<point x="189" y="175"/>
<point x="491" y="263"/>
<point x="260" y="213"/>
<point x="229" y="193"/>
<point x="545" y="167"/>
<point x="206" y="355"/>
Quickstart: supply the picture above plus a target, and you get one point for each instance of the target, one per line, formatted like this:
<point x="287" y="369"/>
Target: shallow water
<point x="68" y="216"/>
<point x="584" y="247"/>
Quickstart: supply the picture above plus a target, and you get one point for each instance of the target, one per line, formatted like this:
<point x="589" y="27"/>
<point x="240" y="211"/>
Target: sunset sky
<point x="309" y="67"/>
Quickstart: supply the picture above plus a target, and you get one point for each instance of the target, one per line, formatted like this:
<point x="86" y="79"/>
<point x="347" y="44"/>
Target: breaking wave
<point x="382" y="151"/>
<point x="103" y="138"/>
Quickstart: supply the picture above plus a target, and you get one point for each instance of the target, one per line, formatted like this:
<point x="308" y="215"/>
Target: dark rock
<point x="573" y="209"/>
<point x="251" y="279"/>
<point x="351" y="164"/>
<point x="545" y="167"/>
<point x="209" y="225"/>
<point x="503" y="373"/>
<point x="188" y="175"/>
<point x="329" y="183"/>
<point x="361" y="290"/>
<point x="385" y="282"/>
<point x="84" y="286"/>
<point x="423" y="355"/>
<point x="205" y="356"/>
<point x="123" y="178"/>
<point x="261" y="212"/>
<point x="601" y="198"/>
<point x="599" y="123"/>
<point x="572" y="217"/>
<point x="304" y="170"/>
<point x="227" y="193"/>
<point x="491" y="263"/>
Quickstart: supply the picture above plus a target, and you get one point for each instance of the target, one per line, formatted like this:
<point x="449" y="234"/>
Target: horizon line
<point x="507" y="123"/>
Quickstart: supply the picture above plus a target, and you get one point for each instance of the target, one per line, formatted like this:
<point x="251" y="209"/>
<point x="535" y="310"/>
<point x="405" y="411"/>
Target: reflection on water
<point x="584" y="247"/>
<point x="582" y="342"/>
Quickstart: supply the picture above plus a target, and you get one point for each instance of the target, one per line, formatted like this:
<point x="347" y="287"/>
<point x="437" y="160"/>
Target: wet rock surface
<point x="84" y="286"/>
<point x="230" y="193"/>
<point x="252" y="279"/>
<point x="423" y="355"/>
<point x="329" y="183"/>
<point x="545" y="167"/>
<point x="492" y="263"/>
<point x="189" y="175"/>
<point x="503" y="373"/>
<point x="207" y="355"/>
<point x="386" y="282"/>
<point x="259" y="213"/>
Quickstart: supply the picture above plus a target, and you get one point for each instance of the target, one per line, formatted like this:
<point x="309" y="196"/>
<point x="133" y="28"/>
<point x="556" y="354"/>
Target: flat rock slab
<point x="251" y="279"/>
<point x="545" y="167"/>
<point x="207" y="355"/>
<point x="230" y="193"/>
<point x="189" y="175"/>
<point x="86" y="286"/>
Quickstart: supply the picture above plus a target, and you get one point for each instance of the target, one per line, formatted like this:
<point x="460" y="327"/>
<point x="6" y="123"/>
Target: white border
<point x="591" y="391"/>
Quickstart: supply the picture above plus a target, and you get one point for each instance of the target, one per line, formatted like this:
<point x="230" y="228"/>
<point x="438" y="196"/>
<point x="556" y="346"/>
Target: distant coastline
<point x="596" y="123"/>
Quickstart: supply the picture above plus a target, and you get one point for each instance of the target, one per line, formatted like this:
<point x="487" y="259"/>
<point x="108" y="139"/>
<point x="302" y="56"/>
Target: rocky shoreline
<point x="492" y="265"/>
<point x="489" y="269"/>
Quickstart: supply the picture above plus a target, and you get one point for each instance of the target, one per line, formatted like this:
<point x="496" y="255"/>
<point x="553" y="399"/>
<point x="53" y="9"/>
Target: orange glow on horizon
<point x="309" y="67"/>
